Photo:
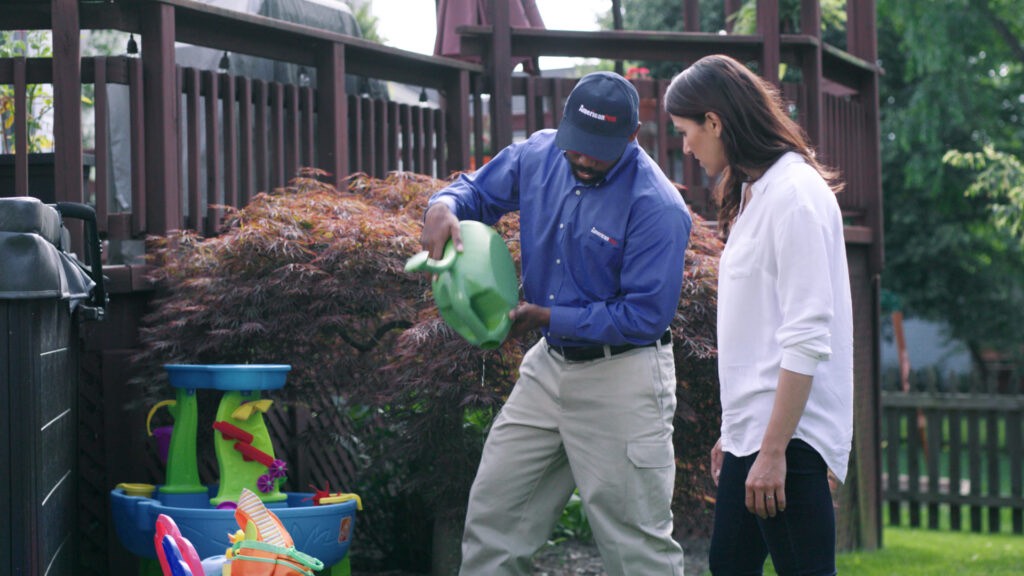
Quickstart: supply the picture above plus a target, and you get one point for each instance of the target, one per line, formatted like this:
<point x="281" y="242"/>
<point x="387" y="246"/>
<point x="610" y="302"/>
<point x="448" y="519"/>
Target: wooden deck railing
<point x="237" y="135"/>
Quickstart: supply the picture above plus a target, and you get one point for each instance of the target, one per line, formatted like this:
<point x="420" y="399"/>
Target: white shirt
<point x="784" y="302"/>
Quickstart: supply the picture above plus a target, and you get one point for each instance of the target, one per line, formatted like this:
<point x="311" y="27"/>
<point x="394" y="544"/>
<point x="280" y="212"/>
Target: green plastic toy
<point x="182" y="468"/>
<point x="245" y="454"/>
<point x="474" y="290"/>
<point x="244" y="451"/>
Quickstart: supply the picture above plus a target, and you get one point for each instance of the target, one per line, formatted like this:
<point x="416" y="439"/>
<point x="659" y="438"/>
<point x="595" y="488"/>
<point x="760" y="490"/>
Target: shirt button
<point x="577" y="192"/>
<point x="551" y="296"/>
<point x="558" y="261"/>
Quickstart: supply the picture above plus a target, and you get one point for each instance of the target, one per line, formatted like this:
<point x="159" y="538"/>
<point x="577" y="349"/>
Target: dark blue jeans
<point x="801" y="540"/>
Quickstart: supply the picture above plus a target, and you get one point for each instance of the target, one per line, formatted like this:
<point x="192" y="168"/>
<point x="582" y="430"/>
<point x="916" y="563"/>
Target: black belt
<point x="583" y="353"/>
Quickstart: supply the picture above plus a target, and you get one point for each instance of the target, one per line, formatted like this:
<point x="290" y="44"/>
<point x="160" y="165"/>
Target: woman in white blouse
<point x="785" y="323"/>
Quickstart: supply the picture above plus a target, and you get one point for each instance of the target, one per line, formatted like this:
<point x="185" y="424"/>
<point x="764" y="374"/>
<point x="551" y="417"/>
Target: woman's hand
<point x="766" y="484"/>
<point x="717" y="456"/>
<point x="766" y="481"/>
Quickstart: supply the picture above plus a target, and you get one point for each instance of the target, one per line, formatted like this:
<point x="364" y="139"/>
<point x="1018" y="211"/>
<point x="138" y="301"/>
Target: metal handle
<point x="86" y="213"/>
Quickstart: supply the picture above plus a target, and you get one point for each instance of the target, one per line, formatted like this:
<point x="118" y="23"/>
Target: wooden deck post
<point x="457" y="124"/>
<point x="67" y="102"/>
<point x="768" y="28"/>
<point x="163" y="193"/>
<point x="861" y="36"/>
<point x="20" y="127"/>
<point x="68" y="182"/>
<point x="500" y="68"/>
<point x="861" y="40"/>
<point x="332" y="110"/>
<point x="810" y="24"/>
<point x="691" y="15"/>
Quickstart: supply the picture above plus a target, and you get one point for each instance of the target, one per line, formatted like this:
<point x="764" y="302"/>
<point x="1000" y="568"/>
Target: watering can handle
<point x="476" y="326"/>
<point x="157" y="406"/>
<point x="422" y="262"/>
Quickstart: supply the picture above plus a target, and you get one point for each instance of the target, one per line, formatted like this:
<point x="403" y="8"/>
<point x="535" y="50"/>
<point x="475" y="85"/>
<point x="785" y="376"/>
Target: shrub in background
<point x="698" y="410"/>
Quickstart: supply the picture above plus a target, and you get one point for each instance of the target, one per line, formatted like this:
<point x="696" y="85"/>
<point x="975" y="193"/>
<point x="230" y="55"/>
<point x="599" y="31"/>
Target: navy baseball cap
<point x="600" y="117"/>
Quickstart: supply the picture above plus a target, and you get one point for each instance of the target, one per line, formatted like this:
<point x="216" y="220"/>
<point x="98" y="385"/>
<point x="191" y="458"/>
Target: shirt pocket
<point x="597" y="268"/>
<point x="739" y="259"/>
<point x="601" y="251"/>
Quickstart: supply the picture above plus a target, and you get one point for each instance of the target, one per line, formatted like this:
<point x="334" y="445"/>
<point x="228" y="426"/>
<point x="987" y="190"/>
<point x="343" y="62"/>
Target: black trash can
<point x="44" y="293"/>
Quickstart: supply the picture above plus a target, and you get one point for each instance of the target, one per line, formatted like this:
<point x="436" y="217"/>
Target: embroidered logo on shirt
<point x="603" y="236"/>
<point x="596" y="115"/>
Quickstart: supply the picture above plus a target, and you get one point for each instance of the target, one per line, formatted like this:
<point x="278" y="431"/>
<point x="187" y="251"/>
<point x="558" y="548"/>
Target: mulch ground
<point x="574" y="558"/>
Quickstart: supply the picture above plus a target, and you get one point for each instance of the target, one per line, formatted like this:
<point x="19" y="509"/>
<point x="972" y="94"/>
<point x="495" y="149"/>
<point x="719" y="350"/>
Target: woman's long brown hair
<point x="756" y="130"/>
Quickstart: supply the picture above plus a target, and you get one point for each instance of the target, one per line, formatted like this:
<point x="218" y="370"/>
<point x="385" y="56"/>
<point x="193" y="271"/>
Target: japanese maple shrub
<point x="313" y="277"/>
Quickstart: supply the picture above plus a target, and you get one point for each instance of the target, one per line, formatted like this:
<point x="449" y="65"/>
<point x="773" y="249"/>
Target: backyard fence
<point x="952" y="451"/>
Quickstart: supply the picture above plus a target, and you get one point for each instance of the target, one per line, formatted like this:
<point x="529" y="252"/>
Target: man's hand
<point x="528" y="317"/>
<point x="439" y="224"/>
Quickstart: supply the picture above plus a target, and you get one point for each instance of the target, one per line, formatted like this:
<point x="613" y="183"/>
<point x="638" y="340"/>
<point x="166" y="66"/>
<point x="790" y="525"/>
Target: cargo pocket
<point x="650" y="484"/>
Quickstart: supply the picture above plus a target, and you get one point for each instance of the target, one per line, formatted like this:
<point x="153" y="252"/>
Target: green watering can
<point x="475" y="289"/>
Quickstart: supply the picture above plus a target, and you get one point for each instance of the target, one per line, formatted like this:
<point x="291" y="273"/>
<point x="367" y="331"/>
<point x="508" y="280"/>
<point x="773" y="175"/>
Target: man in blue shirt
<point x="603" y="235"/>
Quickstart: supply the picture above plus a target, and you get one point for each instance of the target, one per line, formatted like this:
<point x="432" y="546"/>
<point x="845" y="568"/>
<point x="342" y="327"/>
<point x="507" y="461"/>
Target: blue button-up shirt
<point x="607" y="258"/>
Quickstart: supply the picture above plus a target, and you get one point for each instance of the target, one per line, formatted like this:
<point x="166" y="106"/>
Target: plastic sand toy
<point x="204" y="516"/>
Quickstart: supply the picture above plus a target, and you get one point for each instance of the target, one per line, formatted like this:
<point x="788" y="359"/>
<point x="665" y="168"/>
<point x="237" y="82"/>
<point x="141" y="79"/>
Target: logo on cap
<point x="597" y="115"/>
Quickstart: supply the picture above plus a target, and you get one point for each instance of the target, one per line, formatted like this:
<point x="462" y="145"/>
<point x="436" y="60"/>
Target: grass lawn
<point x="945" y="520"/>
<point x="917" y="552"/>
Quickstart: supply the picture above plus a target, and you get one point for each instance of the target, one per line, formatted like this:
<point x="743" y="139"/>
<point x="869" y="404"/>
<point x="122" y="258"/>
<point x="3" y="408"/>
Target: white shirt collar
<point x="774" y="171"/>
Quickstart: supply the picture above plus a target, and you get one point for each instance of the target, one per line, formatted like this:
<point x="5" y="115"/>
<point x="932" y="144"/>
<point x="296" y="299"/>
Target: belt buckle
<point x="560" y="350"/>
<point x="566" y="353"/>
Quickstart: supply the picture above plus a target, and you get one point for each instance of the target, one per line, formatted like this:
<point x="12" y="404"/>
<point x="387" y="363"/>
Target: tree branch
<point x="381" y="331"/>
<point x="1001" y="28"/>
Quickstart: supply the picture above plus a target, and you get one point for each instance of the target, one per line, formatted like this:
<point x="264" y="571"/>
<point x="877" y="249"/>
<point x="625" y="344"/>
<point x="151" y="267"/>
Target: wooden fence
<point x="953" y="456"/>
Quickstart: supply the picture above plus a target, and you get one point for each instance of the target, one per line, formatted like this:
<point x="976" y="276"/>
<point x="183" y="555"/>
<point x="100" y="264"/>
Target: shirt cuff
<point x="800" y="363"/>
<point x="563" y="322"/>
<point x="446" y="200"/>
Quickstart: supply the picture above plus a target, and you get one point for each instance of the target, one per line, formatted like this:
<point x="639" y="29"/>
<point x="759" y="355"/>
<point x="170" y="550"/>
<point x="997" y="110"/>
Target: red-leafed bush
<point x="698" y="410"/>
<point x="313" y="277"/>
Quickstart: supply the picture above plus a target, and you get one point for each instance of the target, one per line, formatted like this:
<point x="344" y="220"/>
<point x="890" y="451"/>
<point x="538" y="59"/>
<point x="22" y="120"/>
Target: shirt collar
<point x="775" y="171"/>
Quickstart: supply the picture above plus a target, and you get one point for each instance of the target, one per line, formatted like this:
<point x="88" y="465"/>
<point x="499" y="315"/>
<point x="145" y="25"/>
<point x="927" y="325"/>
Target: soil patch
<point x="575" y="558"/>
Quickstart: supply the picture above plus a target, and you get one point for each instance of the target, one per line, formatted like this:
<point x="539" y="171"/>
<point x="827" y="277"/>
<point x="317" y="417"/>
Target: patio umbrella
<point x="454" y="13"/>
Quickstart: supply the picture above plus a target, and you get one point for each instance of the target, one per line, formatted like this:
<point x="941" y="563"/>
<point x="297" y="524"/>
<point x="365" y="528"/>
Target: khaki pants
<point x="604" y="426"/>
